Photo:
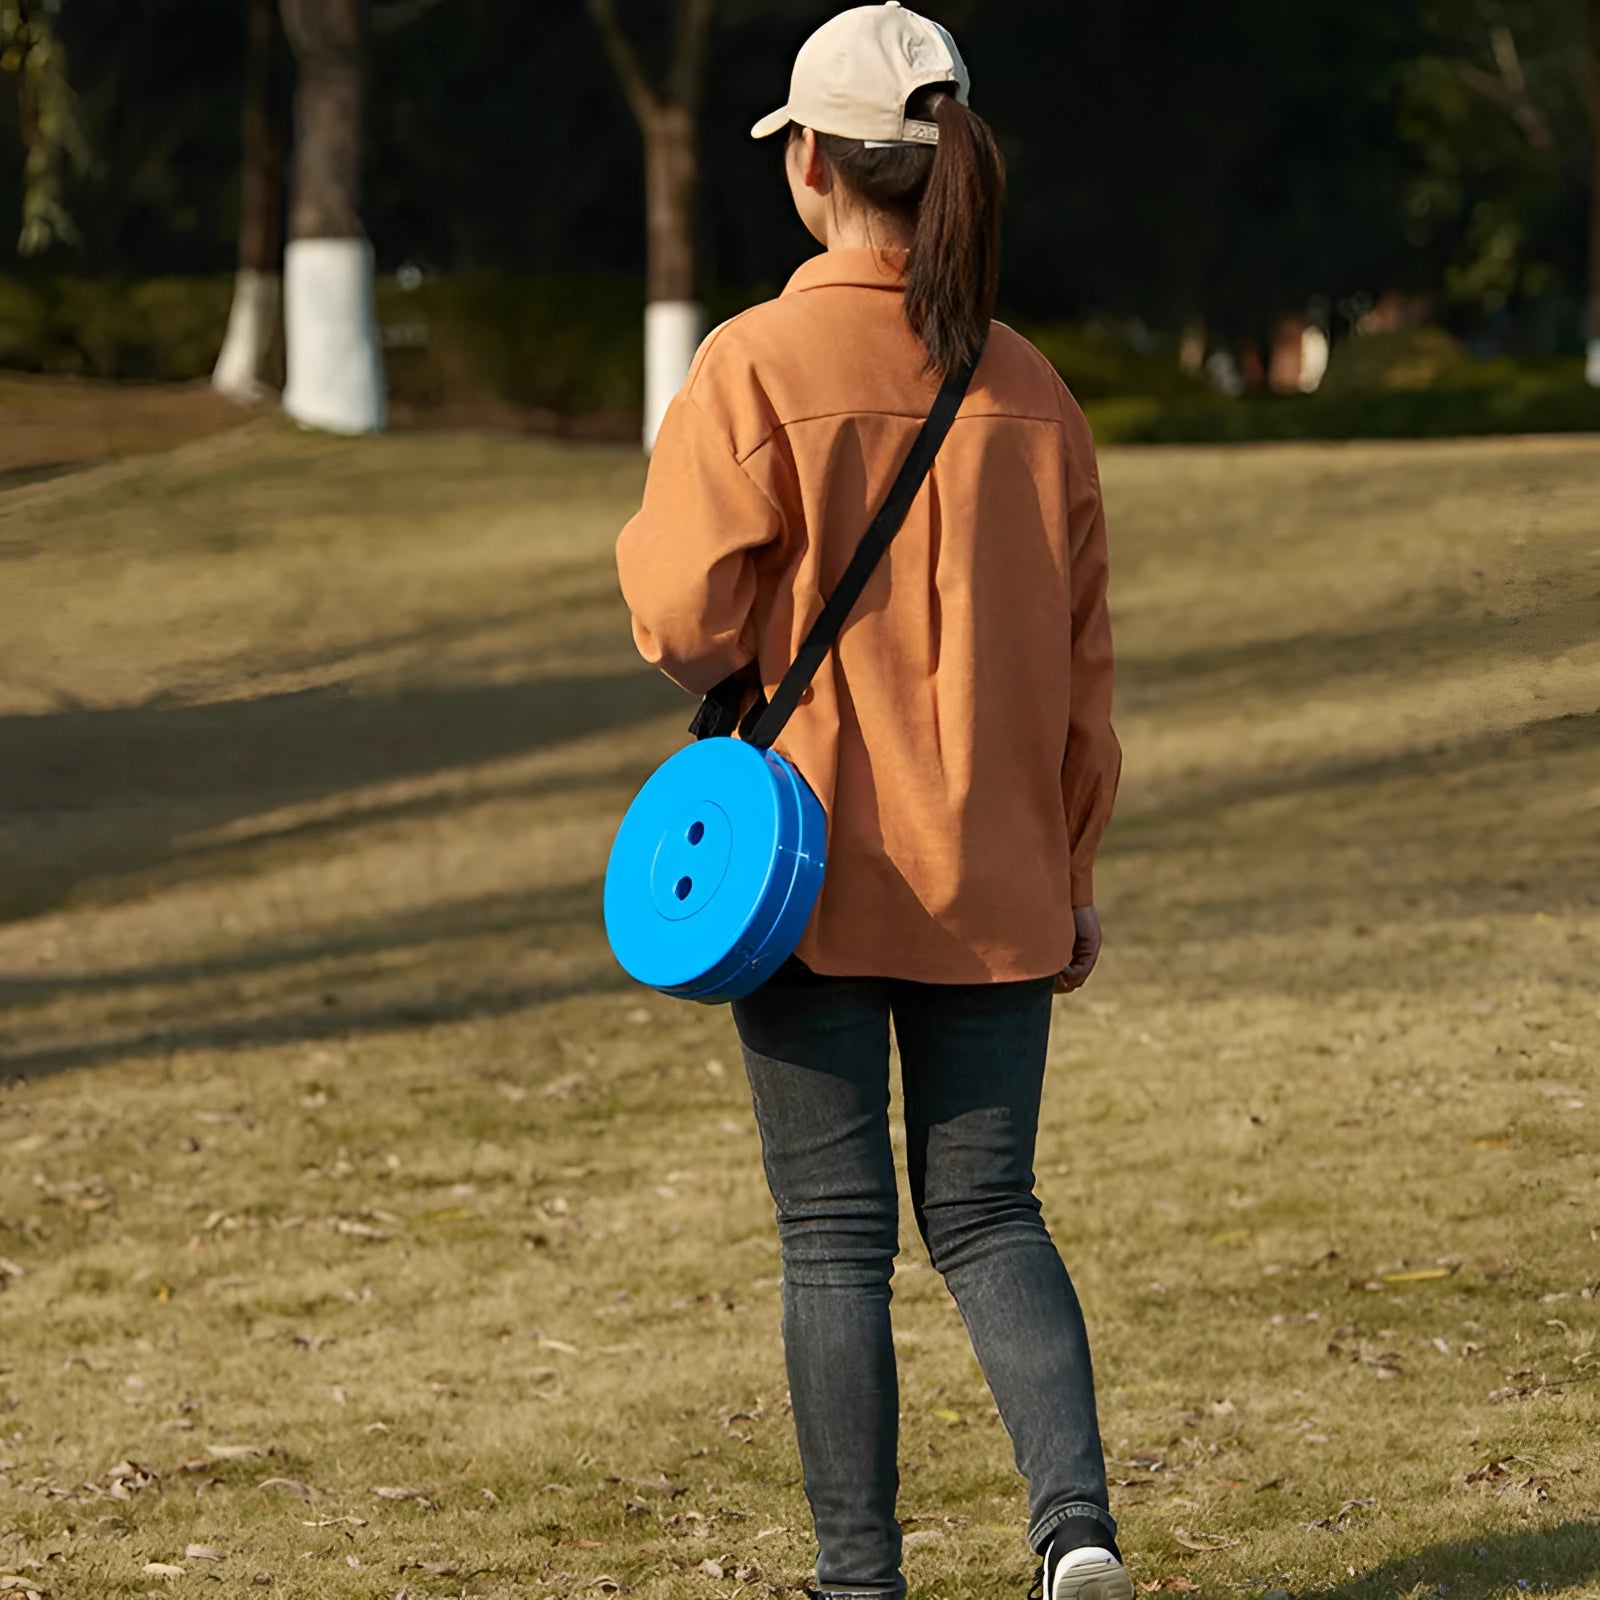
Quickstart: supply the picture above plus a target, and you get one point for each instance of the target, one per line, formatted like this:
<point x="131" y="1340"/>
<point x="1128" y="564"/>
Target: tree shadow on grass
<point x="1446" y="823"/>
<point x="1556" y="1560"/>
<point x="360" y="977"/>
<point x="303" y="1025"/>
<point x="91" y="794"/>
<point x="1315" y="663"/>
<point x="1483" y="759"/>
<point x="98" y="805"/>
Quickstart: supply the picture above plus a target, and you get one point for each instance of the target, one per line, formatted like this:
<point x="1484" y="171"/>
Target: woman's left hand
<point x="1085" y="950"/>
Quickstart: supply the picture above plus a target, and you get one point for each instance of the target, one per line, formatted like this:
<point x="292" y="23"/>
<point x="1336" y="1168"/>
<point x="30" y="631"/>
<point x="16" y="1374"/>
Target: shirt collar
<point x="865" y="268"/>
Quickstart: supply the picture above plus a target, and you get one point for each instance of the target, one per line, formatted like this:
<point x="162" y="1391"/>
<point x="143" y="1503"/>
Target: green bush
<point x="175" y="327"/>
<point x="574" y="347"/>
<point x="1408" y="359"/>
<point x="1548" y="399"/>
<point x="570" y="346"/>
<point x="24" y="324"/>
<point x="1096" y="364"/>
<point x="160" y="328"/>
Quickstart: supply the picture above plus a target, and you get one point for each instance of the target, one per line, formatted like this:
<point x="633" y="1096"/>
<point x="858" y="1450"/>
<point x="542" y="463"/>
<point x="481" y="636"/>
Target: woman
<point x="960" y="739"/>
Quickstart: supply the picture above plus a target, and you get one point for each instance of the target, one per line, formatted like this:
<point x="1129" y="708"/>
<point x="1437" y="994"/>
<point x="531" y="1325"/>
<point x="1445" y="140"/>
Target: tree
<point x="668" y="121"/>
<point x="335" y="368"/>
<point x="51" y="132"/>
<point x="243" y="369"/>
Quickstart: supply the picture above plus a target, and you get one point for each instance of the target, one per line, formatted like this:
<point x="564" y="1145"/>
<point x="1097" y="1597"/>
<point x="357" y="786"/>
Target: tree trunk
<point x="335" y="366"/>
<point x="1594" y="223"/>
<point x="247" y="367"/>
<point x="673" y="317"/>
<point x="672" y="178"/>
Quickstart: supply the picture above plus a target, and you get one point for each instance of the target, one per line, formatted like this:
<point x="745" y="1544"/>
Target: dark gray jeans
<point x="972" y="1065"/>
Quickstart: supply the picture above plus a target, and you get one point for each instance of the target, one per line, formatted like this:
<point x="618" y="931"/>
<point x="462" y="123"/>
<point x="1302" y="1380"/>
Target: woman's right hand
<point x="1085" y="950"/>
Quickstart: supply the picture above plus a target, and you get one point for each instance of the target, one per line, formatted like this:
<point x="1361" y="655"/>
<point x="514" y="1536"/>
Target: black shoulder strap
<point x="765" y="723"/>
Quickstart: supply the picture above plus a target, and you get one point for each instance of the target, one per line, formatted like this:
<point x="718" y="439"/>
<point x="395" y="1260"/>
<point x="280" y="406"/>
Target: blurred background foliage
<point x="1170" y="164"/>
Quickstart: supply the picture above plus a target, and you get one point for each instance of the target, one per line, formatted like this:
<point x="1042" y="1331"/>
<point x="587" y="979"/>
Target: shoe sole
<point x="1099" y="1580"/>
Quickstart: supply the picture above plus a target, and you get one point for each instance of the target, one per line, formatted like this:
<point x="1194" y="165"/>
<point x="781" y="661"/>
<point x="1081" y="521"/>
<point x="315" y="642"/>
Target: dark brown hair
<point x="952" y="193"/>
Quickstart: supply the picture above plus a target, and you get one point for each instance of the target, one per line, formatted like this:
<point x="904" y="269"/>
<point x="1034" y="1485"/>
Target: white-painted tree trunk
<point x="672" y="330"/>
<point x="241" y="371"/>
<point x="335" y="367"/>
<point x="1594" y="363"/>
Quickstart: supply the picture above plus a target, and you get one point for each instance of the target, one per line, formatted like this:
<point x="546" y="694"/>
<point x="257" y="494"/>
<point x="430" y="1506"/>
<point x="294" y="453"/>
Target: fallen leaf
<point x="202" y="1552"/>
<point x="1421" y="1275"/>
<point x="233" y="1452"/>
<point x="295" y="1486"/>
<point x="712" y="1569"/>
<point x="440" y="1569"/>
<point x="11" y="1583"/>
<point x="1204" y="1541"/>
<point x="948" y="1416"/>
<point x="162" y="1569"/>
<point x="129" y="1477"/>
<point x="353" y="1229"/>
<point x="660" y="1484"/>
<point x="336" y="1522"/>
<point x="390" y="1492"/>
<point x="1343" y="1518"/>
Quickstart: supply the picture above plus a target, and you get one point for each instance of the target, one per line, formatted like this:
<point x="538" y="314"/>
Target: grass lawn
<point x="362" y="1232"/>
<point x="50" y="427"/>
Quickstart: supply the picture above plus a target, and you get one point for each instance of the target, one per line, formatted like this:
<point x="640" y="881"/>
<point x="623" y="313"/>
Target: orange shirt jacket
<point x="959" y="735"/>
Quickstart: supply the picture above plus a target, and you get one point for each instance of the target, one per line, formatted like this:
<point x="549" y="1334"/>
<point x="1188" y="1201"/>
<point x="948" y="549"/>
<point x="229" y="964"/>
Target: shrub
<point x="1549" y="399"/>
<point x="1407" y="359"/>
<point x="566" y="345"/>
<point x="574" y="347"/>
<point x="1096" y="363"/>
<point x="24" y="323"/>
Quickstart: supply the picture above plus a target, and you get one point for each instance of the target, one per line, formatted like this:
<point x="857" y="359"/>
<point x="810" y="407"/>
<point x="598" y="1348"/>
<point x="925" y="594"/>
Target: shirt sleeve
<point x="1093" y="763"/>
<point x="687" y="561"/>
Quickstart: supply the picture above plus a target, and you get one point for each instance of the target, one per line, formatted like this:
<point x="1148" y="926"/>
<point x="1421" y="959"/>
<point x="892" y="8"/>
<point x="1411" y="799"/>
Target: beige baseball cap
<point x="854" y="75"/>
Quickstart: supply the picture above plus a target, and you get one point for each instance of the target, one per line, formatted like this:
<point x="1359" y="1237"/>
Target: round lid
<point x="694" y="860"/>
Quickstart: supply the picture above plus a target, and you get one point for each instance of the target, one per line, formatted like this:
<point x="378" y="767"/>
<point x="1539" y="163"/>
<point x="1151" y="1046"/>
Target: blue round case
<point x="715" y="872"/>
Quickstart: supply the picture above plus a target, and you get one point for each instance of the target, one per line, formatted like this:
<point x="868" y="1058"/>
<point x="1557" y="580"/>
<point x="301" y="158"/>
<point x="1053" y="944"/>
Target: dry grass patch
<point x="361" y="1231"/>
<point x="50" y="427"/>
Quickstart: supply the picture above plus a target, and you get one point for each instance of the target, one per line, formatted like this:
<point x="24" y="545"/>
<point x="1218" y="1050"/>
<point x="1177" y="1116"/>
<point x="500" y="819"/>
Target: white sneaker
<point x="1090" y="1572"/>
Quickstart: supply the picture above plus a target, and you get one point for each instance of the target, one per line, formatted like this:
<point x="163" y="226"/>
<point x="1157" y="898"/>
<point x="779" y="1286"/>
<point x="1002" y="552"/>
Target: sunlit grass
<point x="359" y="1224"/>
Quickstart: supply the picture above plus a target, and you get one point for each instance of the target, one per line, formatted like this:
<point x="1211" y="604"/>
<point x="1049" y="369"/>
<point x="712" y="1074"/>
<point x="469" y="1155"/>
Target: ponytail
<point x="952" y="194"/>
<point x="953" y="275"/>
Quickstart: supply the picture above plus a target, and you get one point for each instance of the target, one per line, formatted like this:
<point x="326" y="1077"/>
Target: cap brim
<point x="776" y="123"/>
